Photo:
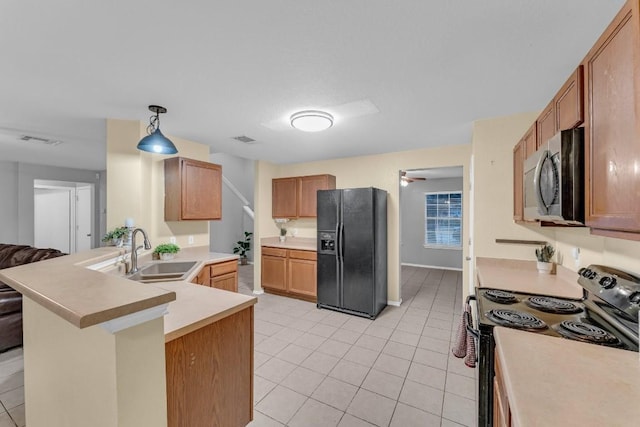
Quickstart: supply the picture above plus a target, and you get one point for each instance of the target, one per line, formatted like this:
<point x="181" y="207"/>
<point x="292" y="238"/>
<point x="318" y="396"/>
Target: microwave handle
<point x="542" y="209"/>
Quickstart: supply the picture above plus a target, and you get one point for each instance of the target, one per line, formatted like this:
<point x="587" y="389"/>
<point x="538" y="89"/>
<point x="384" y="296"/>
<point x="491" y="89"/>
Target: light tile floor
<point x="323" y="368"/>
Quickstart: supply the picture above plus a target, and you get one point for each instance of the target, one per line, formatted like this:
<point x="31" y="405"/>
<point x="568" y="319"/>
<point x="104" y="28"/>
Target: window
<point x="443" y="220"/>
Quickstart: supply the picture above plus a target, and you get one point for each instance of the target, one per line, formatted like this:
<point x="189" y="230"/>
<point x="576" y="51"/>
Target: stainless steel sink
<point x="163" y="271"/>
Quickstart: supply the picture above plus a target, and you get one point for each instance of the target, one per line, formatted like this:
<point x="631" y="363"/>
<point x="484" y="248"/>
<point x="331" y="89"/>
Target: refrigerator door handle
<point x="340" y="240"/>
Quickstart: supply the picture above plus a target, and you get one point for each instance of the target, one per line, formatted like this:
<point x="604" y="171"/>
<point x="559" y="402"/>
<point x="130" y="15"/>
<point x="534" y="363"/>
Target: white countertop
<point x="87" y="297"/>
<point x="522" y="276"/>
<point x="554" y="381"/>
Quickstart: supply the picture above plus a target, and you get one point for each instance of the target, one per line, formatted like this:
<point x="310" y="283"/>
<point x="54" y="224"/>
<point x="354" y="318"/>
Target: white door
<point x="84" y="224"/>
<point x="52" y="214"/>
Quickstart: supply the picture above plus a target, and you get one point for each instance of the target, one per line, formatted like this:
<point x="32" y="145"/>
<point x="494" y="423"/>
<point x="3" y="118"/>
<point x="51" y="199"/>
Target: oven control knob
<point x="635" y="298"/>
<point x="608" y="282"/>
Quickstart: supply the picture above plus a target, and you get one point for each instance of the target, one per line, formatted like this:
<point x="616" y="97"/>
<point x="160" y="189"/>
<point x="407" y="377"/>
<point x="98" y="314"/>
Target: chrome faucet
<point x="134" y="249"/>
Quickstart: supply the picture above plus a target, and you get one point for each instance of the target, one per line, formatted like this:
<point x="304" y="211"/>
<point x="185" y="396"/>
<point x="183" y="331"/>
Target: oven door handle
<point x="469" y="321"/>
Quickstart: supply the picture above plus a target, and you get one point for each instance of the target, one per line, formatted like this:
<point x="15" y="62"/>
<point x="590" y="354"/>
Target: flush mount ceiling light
<point x="311" y="120"/>
<point x="155" y="141"/>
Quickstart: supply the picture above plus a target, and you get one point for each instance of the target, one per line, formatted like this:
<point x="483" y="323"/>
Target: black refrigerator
<point x="352" y="250"/>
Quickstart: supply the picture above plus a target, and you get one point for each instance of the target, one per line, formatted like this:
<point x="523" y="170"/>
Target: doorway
<point x="431" y="226"/>
<point x="63" y="215"/>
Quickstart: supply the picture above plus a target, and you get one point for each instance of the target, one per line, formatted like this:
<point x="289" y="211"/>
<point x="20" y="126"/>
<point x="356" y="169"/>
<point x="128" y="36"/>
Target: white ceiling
<point x="224" y="69"/>
<point x="435" y="173"/>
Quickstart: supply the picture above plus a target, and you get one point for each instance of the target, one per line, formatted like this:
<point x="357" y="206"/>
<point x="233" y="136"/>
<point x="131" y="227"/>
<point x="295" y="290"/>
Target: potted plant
<point x="242" y="247"/>
<point x="116" y="236"/>
<point x="544" y="255"/>
<point x="166" y="251"/>
<point x="283" y="234"/>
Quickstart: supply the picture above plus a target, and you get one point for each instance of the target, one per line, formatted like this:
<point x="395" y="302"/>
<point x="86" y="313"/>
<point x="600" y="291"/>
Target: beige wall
<point x="90" y="377"/>
<point x="381" y="171"/>
<point x="135" y="185"/>
<point x="493" y="142"/>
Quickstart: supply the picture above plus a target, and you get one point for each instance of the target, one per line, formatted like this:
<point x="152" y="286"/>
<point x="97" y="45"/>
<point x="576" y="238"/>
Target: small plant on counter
<point x="283" y="234"/>
<point x="116" y="236"/>
<point x="242" y="247"/>
<point x="545" y="253"/>
<point x="166" y="250"/>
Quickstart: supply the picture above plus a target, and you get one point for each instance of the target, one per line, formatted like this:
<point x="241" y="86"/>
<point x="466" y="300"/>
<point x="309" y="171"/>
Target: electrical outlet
<point x="190" y="240"/>
<point x="172" y="239"/>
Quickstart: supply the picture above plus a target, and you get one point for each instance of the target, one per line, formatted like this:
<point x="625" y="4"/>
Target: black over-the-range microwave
<point x="554" y="180"/>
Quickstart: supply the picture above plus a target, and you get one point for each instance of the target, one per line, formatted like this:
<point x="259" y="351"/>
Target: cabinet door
<point x="227" y="282"/>
<point x="192" y="190"/>
<point x="518" y="190"/>
<point x="284" y="193"/>
<point x="203" y="276"/>
<point x="307" y="189"/>
<point x="569" y="104"/>
<point x="530" y="141"/>
<point x="546" y="125"/>
<point x="274" y="272"/>
<point x="302" y="272"/>
<point x="612" y="128"/>
<point x="210" y="374"/>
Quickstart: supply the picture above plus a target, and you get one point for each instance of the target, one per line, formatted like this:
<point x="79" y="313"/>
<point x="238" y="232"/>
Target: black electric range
<point x="607" y="314"/>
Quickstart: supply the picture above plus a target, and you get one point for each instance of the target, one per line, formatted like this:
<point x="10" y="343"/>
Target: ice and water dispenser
<point x="326" y="243"/>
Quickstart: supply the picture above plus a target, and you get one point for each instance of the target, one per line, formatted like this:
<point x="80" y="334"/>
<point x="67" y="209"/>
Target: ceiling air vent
<point x="245" y="139"/>
<point x="38" y="140"/>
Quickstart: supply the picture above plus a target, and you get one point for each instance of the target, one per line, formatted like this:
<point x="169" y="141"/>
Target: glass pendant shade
<point x="157" y="143"/>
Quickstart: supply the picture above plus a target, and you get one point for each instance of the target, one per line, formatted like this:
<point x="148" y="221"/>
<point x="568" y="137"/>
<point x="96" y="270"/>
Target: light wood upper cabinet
<point x="284" y="192"/>
<point x="518" y="189"/>
<point x="530" y="142"/>
<point x="295" y="197"/>
<point x="569" y="103"/>
<point x="192" y="190"/>
<point x="546" y="125"/>
<point x="612" y="128"/>
<point x="308" y="187"/>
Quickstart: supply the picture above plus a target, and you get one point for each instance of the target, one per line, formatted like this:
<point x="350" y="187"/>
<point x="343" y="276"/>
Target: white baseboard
<point x="437" y="267"/>
<point x="258" y="292"/>
<point x="394" y="303"/>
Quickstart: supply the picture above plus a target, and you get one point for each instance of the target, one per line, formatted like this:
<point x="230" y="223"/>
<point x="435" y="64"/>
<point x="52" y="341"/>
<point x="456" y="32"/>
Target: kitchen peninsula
<point x="102" y="350"/>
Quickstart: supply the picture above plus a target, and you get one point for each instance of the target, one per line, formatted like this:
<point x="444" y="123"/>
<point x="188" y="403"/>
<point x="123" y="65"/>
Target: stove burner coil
<point x="585" y="332"/>
<point x="516" y="319"/>
<point x="552" y="305"/>
<point x="501" y="297"/>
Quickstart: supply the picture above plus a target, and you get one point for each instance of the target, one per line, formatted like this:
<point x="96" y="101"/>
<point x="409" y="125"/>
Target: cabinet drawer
<point x="224" y="268"/>
<point x="310" y="255"/>
<point x="266" y="250"/>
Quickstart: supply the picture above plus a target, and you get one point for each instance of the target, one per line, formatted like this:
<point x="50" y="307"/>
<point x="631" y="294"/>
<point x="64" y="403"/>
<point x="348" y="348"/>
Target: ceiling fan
<point x="405" y="180"/>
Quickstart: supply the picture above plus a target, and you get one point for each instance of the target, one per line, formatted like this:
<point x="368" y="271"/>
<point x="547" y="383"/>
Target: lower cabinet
<point x="289" y="272"/>
<point x="210" y="374"/>
<point x="223" y="275"/>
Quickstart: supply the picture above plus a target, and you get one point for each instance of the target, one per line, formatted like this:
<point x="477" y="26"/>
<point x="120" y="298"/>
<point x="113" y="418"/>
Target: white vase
<point x="167" y="256"/>
<point x="544" y="267"/>
<point x="283" y="238"/>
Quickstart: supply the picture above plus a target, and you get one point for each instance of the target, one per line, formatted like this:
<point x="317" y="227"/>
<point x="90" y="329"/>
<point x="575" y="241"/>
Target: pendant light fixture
<point x="155" y="141"/>
<point x="311" y="120"/>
